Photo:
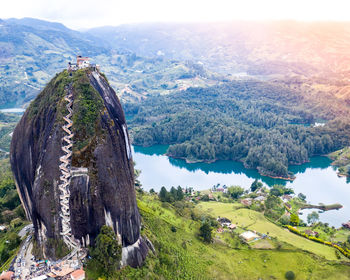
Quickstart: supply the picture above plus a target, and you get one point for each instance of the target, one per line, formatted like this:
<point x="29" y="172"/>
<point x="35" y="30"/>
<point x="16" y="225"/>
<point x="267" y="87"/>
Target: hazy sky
<point x="90" y="13"/>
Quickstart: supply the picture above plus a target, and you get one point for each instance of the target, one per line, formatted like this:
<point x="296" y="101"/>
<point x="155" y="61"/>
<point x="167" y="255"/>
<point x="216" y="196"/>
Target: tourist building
<point x="82" y="62"/>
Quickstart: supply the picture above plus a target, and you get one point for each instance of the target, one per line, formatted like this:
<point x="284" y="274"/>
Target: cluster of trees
<point x="8" y="124"/>
<point x="279" y="190"/>
<point x="274" y="208"/>
<point x="10" y="204"/>
<point x="312" y="217"/>
<point x="235" y="191"/>
<point x="265" y="126"/>
<point x="106" y="254"/>
<point x="256" y="185"/>
<point x="173" y="195"/>
<point x="13" y="241"/>
<point x="11" y="213"/>
<point x="205" y="232"/>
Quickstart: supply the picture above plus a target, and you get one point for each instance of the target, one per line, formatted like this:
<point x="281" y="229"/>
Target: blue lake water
<point x="317" y="179"/>
<point x="13" y="110"/>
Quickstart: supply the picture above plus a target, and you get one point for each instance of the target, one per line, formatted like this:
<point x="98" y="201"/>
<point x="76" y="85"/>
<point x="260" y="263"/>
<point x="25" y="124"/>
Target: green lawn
<point x="181" y="255"/>
<point x="257" y="221"/>
<point x="342" y="235"/>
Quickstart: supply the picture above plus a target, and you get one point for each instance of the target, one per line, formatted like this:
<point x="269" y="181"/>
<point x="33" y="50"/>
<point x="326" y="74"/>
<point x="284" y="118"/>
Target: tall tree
<point x="205" y="231"/>
<point x="179" y="193"/>
<point x="294" y="219"/>
<point x="163" y="194"/>
<point x="255" y="185"/>
<point x="312" y="217"/>
<point x="235" y="191"/>
<point x="107" y="251"/>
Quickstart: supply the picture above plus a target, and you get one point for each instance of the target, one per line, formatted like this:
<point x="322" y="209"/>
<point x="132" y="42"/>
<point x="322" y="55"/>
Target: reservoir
<point x="13" y="110"/>
<point x="317" y="179"/>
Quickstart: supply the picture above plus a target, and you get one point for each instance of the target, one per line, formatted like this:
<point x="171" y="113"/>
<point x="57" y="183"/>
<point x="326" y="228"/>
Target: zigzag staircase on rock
<point x="65" y="177"/>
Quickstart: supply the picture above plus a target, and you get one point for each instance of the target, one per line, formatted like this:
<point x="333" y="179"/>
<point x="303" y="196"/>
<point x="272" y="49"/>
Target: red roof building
<point x="78" y="275"/>
<point x="220" y="230"/>
<point x="346" y="225"/>
<point x="8" y="275"/>
<point x="82" y="62"/>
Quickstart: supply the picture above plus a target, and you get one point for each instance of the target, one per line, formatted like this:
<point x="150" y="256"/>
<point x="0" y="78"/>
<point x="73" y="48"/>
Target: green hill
<point x="180" y="254"/>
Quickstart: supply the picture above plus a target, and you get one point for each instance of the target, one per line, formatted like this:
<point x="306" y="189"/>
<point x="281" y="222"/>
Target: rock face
<point x="102" y="176"/>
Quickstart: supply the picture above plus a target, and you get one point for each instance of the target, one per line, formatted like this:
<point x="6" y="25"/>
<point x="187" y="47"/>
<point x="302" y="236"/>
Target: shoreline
<point x="212" y="161"/>
<point x="290" y="179"/>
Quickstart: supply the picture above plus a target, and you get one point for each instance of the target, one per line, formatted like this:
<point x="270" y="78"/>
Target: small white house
<point x="42" y="277"/>
<point x="260" y="198"/>
<point x="249" y="236"/>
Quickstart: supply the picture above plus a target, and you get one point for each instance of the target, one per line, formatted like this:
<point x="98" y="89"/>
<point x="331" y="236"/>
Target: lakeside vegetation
<point x="265" y="125"/>
<point x="341" y="159"/>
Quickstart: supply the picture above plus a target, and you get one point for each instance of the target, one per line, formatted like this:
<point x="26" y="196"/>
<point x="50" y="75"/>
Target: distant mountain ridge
<point x="39" y="24"/>
<point x="147" y="59"/>
<point x="308" y="56"/>
<point x="260" y="48"/>
<point x="33" y="50"/>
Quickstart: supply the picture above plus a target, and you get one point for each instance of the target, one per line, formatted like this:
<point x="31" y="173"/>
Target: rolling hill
<point x="32" y="51"/>
<point x="316" y="55"/>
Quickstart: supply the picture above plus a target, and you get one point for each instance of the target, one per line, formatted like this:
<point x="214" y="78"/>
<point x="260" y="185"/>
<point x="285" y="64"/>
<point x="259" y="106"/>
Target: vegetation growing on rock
<point x="106" y="254"/>
<point x="87" y="107"/>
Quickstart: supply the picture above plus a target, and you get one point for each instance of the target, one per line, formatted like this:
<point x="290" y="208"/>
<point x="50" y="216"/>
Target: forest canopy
<point x="265" y="125"/>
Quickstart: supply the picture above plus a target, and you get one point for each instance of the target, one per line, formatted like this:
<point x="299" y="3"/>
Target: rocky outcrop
<point x="101" y="170"/>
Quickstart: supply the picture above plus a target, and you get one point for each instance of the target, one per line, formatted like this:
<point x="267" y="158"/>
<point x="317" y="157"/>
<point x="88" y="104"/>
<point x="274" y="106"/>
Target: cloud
<point x="89" y="13"/>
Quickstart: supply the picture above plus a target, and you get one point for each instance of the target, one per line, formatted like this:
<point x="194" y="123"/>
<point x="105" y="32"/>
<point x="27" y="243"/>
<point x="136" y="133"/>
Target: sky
<point x="80" y="14"/>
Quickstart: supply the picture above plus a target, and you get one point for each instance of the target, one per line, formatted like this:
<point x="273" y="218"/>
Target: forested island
<point x="266" y="125"/>
<point x="342" y="160"/>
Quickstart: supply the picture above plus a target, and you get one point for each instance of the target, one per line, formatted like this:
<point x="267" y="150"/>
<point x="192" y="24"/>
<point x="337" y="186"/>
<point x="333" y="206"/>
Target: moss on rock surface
<point x="50" y="96"/>
<point x="87" y="106"/>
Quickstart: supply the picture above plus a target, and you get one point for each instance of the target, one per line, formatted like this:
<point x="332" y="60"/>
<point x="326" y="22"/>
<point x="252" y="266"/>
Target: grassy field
<point x="181" y="255"/>
<point x="256" y="221"/>
<point x="333" y="235"/>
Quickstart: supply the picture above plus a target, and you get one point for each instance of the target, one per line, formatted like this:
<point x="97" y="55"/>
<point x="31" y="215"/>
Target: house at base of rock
<point x="78" y="275"/>
<point x="6" y="275"/>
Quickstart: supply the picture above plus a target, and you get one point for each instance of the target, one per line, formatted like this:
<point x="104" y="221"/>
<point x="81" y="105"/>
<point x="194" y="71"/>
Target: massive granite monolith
<point x="101" y="180"/>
